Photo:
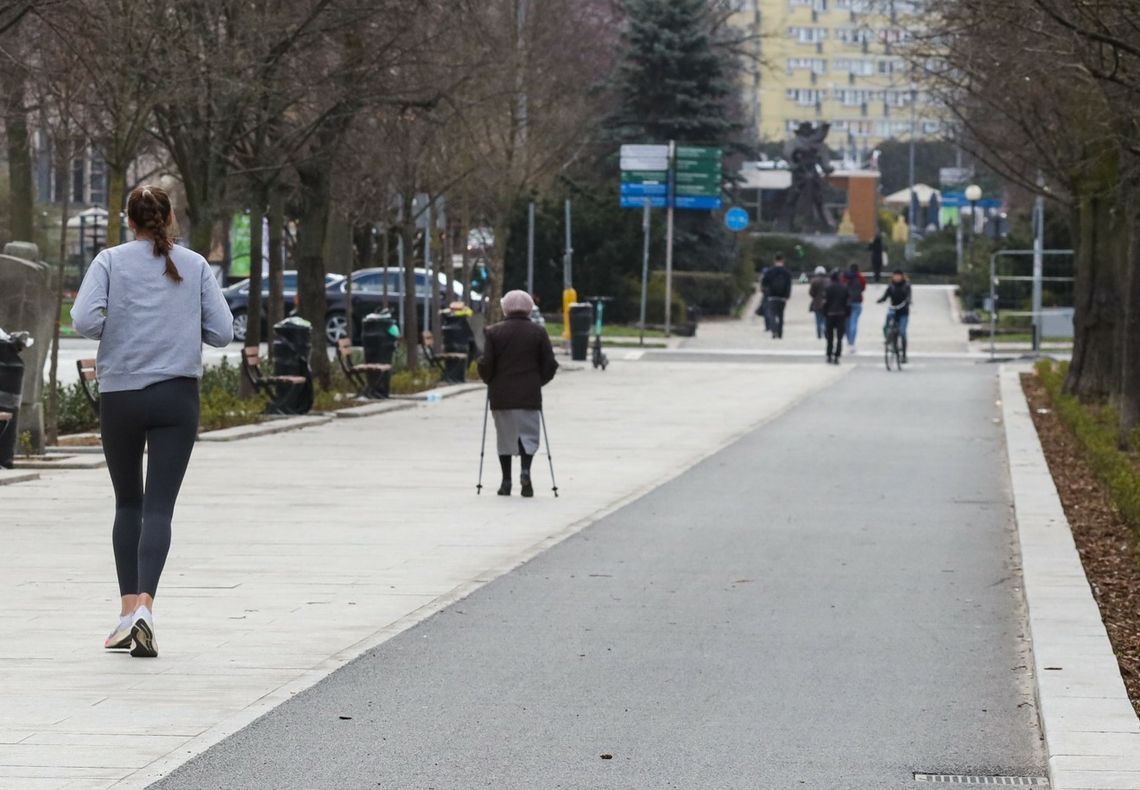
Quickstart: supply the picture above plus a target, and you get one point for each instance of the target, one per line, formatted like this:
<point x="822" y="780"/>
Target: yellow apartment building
<point x="838" y="61"/>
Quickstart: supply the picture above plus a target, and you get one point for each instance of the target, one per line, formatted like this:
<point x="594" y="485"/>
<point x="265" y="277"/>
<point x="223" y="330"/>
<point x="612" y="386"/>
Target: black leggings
<point x="524" y="460"/>
<point x="163" y="418"/>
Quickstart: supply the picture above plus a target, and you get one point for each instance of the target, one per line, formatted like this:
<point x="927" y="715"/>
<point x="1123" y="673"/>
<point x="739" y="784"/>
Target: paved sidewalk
<point x="283" y="569"/>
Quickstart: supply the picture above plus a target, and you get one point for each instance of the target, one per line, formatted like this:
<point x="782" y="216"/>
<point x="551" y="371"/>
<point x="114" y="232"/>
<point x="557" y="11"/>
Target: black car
<point x="237" y="297"/>
<point x="368" y="296"/>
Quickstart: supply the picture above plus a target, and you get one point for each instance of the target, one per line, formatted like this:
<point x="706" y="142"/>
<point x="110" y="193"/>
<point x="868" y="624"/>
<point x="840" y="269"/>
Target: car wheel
<point x="241" y="325"/>
<point x="336" y="327"/>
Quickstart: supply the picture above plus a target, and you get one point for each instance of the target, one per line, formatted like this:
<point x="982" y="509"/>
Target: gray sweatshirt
<point x="150" y="328"/>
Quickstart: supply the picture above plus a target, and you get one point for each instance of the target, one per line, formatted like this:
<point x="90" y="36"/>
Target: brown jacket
<point x="517" y="362"/>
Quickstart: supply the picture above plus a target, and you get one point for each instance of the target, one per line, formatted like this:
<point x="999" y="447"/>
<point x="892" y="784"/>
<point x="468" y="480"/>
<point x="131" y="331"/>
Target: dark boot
<point x="505" y="463"/>
<point x="527" y="488"/>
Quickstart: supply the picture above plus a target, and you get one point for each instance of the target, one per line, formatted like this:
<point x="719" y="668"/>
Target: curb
<point x="63" y="461"/>
<point x="263" y="428"/>
<point x="1092" y="734"/>
<point x="440" y="393"/>
<point x="8" y="476"/>
<point x="370" y="409"/>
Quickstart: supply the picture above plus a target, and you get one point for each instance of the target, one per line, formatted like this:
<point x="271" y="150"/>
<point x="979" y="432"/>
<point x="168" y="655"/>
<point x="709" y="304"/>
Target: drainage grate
<point x="1001" y="781"/>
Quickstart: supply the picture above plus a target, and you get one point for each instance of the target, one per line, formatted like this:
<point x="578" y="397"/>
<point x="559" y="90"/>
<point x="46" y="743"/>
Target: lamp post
<point x="973" y="194"/>
<point x="912" y="209"/>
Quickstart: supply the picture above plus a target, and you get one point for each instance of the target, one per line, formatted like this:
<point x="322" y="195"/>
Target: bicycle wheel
<point x="895" y="350"/>
<point x="887" y="356"/>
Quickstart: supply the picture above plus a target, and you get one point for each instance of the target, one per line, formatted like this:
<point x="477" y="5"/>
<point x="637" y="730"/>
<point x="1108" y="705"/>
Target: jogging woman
<point x="150" y="303"/>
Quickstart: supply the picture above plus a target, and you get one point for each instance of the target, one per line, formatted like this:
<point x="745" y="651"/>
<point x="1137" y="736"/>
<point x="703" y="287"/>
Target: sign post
<point x="669" y="243"/>
<point x="644" y="271"/>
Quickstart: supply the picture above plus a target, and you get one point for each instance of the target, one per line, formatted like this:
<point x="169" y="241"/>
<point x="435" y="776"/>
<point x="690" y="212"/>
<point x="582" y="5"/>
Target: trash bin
<point x="693" y="317"/>
<point x="292" y="343"/>
<point x="457" y="339"/>
<point x="379" y="333"/>
<point x="581" y="322"/>
<point x="11" y="389"/>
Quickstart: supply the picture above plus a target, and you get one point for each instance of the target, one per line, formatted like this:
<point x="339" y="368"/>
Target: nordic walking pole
<point x="483" y="444"/>
<point x="546" y="438"/>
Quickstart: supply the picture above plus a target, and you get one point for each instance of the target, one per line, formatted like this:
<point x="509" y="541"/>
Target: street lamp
<point x="973" y="194"/>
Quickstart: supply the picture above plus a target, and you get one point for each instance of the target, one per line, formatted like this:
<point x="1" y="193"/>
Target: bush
<point x="75" y="413"/>
<point x="936" y="253"/>
<point x="1096" y="429"/>
<point x="655" y="301"/>
<point x="713" y="293"/>
<point x="408" y="382"/>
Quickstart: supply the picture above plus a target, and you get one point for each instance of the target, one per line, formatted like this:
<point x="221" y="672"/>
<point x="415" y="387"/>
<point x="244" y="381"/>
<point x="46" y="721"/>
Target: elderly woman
<point x="517" y="363"/>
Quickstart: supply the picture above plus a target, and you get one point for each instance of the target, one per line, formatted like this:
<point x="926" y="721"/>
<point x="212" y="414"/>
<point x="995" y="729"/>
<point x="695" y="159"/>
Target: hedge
<point x="1097" y="429"/>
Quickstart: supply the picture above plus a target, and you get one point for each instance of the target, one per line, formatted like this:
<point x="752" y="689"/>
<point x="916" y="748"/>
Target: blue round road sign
<point x="736" y="219"/>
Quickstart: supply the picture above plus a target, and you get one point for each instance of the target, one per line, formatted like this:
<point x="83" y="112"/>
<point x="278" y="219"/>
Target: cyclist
<point x="898" y="292"/>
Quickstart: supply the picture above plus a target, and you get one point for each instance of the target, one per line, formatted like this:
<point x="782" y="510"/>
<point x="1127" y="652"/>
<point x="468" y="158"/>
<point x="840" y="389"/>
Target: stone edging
<point x="1092" y="734"/>
<point x="8" y="476"/>
<point x="266" y="428"/>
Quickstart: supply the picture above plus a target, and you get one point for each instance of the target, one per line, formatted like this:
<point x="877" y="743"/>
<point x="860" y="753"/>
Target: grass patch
<point x="1096" y="428"/>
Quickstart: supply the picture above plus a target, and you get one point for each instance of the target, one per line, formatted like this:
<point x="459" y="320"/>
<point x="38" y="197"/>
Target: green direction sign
<point x="698" y="152"/>
<point x="644" y="176"/>
<point x="699" y="177"/>
<point x="698" y="165"/>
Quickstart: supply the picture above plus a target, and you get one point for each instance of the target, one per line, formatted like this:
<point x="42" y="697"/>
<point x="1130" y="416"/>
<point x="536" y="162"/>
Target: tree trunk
<point x="313" y="229"/>
<point x="411" y="322"/>
<point x="498" y="268"/>
<point x="254" y="305"/>
<point x="116" y="201"/>
<point x="1095" y="369"/>
<point x="21" y="194"/>
<point x="275" y="312"/>
<point x="51" y="423"/>
<point x="1129" y="396"/>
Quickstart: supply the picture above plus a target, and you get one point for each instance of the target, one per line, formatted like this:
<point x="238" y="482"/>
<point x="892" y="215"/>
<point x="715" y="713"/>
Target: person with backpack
<point x="856" y="285"/>
<point x="816" y="289"/>
<point x="777" y="287"/>
<point x="836" y="307"/>
<point x="151" y="304"/>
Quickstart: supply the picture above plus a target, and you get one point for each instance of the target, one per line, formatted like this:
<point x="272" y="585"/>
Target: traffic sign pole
<point x="669" y="241"/>
<point x="644" y="270"/>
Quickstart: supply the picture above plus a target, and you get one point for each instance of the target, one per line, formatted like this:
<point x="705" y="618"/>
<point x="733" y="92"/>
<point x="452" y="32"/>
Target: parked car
<point x="237" y="297"/>
<point x="368" y="296"/>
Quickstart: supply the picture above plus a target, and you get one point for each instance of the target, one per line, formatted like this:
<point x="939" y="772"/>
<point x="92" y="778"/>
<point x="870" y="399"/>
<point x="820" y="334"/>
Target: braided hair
<point x="148" y="208"/>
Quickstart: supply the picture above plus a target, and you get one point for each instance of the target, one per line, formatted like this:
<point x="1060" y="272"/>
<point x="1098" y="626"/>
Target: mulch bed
<point x="1106" y="543"/>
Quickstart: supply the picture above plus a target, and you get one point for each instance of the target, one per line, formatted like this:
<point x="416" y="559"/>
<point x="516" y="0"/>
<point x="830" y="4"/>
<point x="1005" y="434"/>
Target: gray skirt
<point x="513" y="426"/>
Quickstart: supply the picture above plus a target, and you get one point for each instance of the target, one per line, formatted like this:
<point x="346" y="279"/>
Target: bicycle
<point x="599" y="357"/>
<point x="891" y="340"/>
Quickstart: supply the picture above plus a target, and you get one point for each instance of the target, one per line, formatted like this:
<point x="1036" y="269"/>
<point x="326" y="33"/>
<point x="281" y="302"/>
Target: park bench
<point x="449" y="362"/>
<point x="5" y="421"/>
<point x="87" y="377"/>
<point x="280" y="389"/>
<point x="370" y="378"/>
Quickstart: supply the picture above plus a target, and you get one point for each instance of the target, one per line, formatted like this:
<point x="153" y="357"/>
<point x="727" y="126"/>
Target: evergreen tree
<point x="677" y="80"/>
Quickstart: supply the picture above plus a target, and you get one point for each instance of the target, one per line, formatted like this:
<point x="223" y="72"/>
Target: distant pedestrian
<point x="517" y="362"/>
<point x="777" y="286"/>
<point x="816" y="289"/>
<point x="151" y="304"/>
<point x="876" y="248"/>
<point x="856" y="285"/>
<point x="762" y="308"/>
<point x="836" y="306"/>
<point x="899" y="294"/>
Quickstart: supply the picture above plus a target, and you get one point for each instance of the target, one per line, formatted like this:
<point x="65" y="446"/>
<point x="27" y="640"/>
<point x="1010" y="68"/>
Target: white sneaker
<point x="142" y="632"/>
<point x="120" y="636"/>
<point x="851" y="350"/>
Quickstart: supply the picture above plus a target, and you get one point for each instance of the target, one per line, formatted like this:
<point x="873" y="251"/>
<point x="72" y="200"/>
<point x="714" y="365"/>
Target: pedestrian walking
<point x="837" y="307"/>
<point x="762" y="308"/>
<point x="777" y="286"/>
<point x="517" y="362"/>
<point x="899" y="293"/>
<point x="816" y="289"/>
<point x="876" y="248"/>
<point x="150" y="303"/>
<point x="856" y="285"/>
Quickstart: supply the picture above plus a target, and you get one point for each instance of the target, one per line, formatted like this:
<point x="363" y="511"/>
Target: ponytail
<point x="149" y="211"/>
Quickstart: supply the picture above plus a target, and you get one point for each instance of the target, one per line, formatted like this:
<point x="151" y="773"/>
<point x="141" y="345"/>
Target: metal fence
<point x="1015" y="287"/>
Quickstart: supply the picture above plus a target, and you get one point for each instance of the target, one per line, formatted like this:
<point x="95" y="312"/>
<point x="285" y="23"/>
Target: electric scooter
<point x="600" y="358"/>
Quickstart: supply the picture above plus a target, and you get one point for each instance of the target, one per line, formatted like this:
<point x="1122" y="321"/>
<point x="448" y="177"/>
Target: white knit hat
<point x="820" y="270"/>
<point x="517" y="302"/>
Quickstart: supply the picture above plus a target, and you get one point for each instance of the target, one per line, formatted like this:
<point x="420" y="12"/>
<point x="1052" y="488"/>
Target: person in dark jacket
<point x="898" y="292"/>
<point x="777" y="287"/>
<point x="816" y="289"/>
<point x="876" y="248"/>
<point x="837" y="307"/>
<point x="856" y="284"/>
<point x="517" y="362"/>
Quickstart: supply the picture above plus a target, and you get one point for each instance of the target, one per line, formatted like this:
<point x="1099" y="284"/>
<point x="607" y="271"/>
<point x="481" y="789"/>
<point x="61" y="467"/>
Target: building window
<point x="814" y="65"/>
<point x="853" y="35"/>
<point x="814" y="5"/>
<point x="854" y="66"/>
<point x="807" y="35"/>
<point x="805" y="97"/>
